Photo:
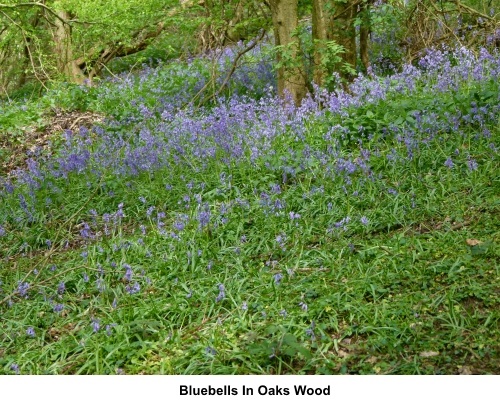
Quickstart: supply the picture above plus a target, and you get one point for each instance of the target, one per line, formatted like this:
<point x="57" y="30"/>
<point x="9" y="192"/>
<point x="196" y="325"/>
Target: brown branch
<point x="234" y="67"/>
<point x="35" y="4"/>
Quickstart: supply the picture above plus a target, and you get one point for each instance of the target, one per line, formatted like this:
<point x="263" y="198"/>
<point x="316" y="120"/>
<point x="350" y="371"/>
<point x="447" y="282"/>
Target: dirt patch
<point x="38" y="141"/>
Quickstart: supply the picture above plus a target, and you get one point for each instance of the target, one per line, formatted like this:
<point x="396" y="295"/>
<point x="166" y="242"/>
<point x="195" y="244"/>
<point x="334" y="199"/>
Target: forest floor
<point x="250" y="237"/>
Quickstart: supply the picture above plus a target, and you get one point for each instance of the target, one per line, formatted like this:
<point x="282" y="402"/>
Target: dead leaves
<point x="473" y="242"/>
<point x="429" y="353"/>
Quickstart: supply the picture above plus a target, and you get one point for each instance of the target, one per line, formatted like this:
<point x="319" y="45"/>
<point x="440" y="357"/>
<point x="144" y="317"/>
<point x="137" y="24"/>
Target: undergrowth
<point x="357" y="234"/>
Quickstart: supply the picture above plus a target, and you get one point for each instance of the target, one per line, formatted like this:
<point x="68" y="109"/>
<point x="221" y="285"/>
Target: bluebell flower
<point x="61" y="288"/>
<point x="449" y="163"/>
<point x="15" y="368"/>
<point x="128" y="272"/>
<point x="133" y="289"/>
<point x="96" y="325"/>
<point x="30" y="332"/>
<point x="472" y="164"/>
<point x="210" y="351"/>
<point x="22" y="289"/>
<point x="222" y="293"/>
<point x="277" y="278"/>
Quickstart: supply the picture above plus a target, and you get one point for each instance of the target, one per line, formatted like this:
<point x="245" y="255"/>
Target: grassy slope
<point x="390" y="270"/>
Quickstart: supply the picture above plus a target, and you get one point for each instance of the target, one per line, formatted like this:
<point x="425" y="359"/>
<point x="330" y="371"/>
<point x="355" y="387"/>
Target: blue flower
<point x="96" y="325"/>
<point x="210" y="351"/>
<point x="61" y="288"/>
<point x="133" y="289"/>
<point x="22" y="289"/>
<point x="30" y="332"/>
<point x="222" y="294"/>
<point x="472" y="164"/>
<point x="15" y="368"/>
<point x="128" y="272"/>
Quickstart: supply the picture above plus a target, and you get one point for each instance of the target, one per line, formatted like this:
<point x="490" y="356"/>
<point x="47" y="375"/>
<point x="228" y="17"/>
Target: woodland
<point x="250" y="187"/>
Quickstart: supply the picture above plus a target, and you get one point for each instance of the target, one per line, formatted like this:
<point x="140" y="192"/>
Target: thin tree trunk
<point x="344" y="33"/>
<point x="364" y="33"/>
<point x="320" y="37"/>
<point x="291" y="78"/>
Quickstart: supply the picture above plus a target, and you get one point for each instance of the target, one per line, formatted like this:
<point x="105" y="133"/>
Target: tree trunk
<point x="344" y="33"/>
<point x="320" y="37"/>
<point x="66" y="63"/>
<point x="291" y="77"/>
<point x="364" y="33"/>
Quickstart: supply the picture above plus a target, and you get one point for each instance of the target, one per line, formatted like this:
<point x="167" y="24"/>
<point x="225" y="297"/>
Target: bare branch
<point x="35" y="4"/>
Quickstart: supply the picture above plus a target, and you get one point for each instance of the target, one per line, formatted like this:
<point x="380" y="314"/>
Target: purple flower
<point x="96" y="325"/>
<point x="58" y="308"/>
<point x="277" y="278"/>
<point x="204" y="217"/>
<point x="364" y="220"/>
<point x="30" y="332"/>
<point x="22" y="289"/>
<point x="109" y="329"/>
<point x="86" y="232"/>
<point x="294" y="216"/>
<point x="2" y="231"/>
<point x="85" y="277"/>
<point x="222" y="294"/>
<point x="99" y="283"/>
<point x="472" y="164"/>
<point x="210" y="351"/>
<point x="310" y="331"/>
<point x="128" y="272"/>
<point x="303" y="306"/>
<point x="133" y="289"/>
<point x="15" y="368"/>
<point x="244" y="306"/>
<point x="61" y="288"/>
<point x="449" y="163"/>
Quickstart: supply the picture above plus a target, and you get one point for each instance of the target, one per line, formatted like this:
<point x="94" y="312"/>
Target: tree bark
<point x="320" y="37"/>
<point x="364" y="33"/>
<point x="291" y="77"/>
<point x="66" y="63"/>
<point x="344" y="33"/>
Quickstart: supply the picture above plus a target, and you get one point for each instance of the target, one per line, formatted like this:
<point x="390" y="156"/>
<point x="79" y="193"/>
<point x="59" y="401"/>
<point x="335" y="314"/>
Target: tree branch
<point x="35" y="4"/>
